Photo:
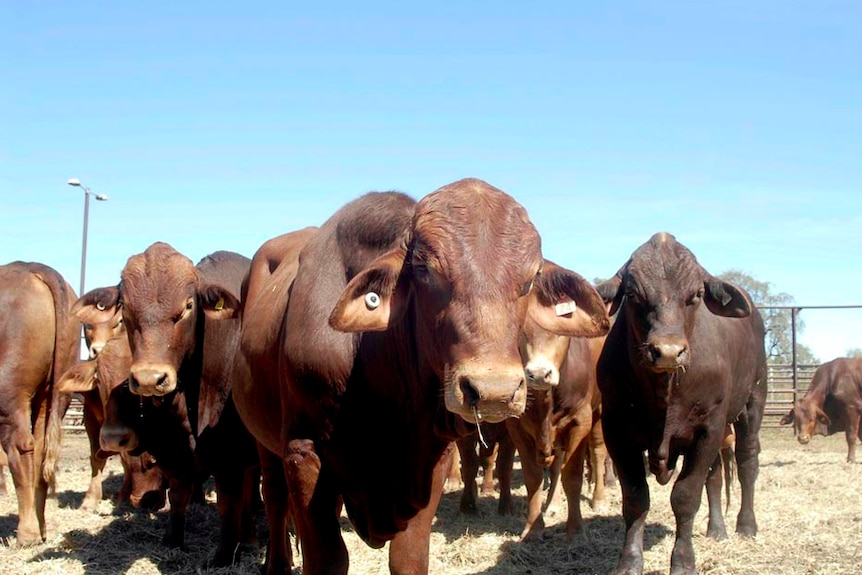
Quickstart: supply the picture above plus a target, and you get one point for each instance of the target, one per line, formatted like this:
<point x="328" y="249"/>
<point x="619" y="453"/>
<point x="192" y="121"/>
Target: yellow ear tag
<point x="219" y="304"/>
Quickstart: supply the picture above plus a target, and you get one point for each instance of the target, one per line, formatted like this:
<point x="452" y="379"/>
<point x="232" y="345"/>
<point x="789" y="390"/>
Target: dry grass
<point x="809" y="506"/>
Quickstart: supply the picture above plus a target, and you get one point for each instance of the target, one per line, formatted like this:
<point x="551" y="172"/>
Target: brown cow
<point x="832" y="403"/>
<point x="177" y="405"/>
<point x="556" y="425"/>
<point x="264" y="300"/>
<point x="98" y="334"/>
<point x="684" y="357"/>
<point x="400" y="332"/>
<point x="38" y="342"/>
<point x="144" y="484"/>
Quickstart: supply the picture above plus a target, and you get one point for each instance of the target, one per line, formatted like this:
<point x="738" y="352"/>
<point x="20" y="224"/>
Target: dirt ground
<point x="808" y="503"/>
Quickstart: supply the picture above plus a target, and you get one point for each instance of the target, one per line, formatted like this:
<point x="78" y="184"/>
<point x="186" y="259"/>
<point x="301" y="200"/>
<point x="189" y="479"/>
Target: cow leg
<point x="487" y="459"/>
<point x="469" y="470"/>
<point x="97" y="465"/>
<point x="408" y="550"/>
<point x="233" y="500"/>
<point x="179" y="495"/>
<point x="553" y="500"/>
<point x="41" y="486"/>
<point x="453" y="477"/>
<point x="534" y="476"/>
<point x="573" y="482"/>
<point x="315" y="504"/>
<point x="629" y="459"/>
<point x="686" y="494"/>
<point x="747" y="462"/>
<point x="4" y="462"/>
<point x="715" y="527"/>
<point x="279" y="558"/>
<point x="598" y="458"/>
<point x="505" y="463"/>
<point x="19" y="445"/>
<point x="851" y="433"/>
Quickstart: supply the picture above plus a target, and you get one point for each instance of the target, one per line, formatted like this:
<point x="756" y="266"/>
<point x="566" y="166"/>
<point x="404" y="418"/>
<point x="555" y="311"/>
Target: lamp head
<point x="74" y="182"/>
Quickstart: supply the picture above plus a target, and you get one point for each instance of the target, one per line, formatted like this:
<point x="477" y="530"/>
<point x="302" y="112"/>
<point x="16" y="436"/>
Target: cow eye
<point x="696" y="297"/>
<point x="88" y="326"/>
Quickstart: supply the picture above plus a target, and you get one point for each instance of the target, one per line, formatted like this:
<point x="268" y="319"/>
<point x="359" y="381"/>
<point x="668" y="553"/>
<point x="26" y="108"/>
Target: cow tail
<point x="65" y="355"/>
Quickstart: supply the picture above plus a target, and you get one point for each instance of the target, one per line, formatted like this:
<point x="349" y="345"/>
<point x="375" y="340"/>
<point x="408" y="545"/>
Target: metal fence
<point x="784" y="388"/>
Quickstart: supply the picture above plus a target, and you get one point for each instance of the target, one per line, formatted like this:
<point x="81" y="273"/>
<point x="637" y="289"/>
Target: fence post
<point x="793" y="339"/>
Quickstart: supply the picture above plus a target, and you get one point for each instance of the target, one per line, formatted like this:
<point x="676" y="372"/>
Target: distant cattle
<point x="684" y="357"/>
<point x="399" y="335"/>
<point x="832" y="403"/>
<point x="38" y="342"/>
<point x="562" y="409"/>
<point x="177" y="405"/>
<point x="144" y="485"/>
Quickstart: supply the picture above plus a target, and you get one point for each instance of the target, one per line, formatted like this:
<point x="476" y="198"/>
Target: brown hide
<point x="38" y="342"/>
<point x="832" y="403"/>
<point x="400" y="332"/>
<point x="143" y="482"/>
<point x="684" y="357"/>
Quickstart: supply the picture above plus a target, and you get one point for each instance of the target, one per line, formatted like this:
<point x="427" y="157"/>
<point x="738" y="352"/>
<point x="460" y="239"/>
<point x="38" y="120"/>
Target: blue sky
<point x="733" y="125"/>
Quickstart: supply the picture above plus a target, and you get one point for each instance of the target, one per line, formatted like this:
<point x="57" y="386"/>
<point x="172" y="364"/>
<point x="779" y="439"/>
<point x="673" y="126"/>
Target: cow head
<point x="470" y="274"/>
<point x="660" y="290"/>
<point x="542" y="353"/>
<point x="97" y="331"/>
<point x="807" y="419"/>
<point x="160" y="296"/>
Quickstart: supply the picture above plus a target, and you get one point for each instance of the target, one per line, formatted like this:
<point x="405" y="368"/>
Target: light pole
<point x="101" y="198"/>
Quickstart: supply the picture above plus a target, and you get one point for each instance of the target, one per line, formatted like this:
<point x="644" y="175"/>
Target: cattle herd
<point x="348" y="367"/>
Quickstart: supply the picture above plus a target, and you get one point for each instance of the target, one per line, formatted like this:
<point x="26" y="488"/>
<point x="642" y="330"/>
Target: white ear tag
<point x="372" y="300"/>
<point x="564" y="308"/>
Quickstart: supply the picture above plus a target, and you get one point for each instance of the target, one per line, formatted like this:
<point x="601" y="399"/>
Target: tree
<point x="778" y="322"/>
<point x="854" y="352"/>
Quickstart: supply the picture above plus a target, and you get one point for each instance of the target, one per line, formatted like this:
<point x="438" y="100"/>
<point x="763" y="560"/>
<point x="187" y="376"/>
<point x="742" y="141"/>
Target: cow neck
<point x="191" y="369"/>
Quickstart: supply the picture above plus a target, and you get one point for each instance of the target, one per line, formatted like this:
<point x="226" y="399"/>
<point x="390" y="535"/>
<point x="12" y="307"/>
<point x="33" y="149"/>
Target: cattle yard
<point x="808" y="503"/>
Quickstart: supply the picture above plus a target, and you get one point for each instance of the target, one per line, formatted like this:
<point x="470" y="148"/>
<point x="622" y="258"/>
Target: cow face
<point x="661" y="289"/>
<point x="159" y="298"/>
<point x="542" y="353"/>
<point x="469" y="276"/>
<point x="807" y="419"/>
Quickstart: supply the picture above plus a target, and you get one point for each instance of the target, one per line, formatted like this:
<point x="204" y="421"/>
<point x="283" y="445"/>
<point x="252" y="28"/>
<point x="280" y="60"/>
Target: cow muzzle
<point x="667" y="355"/>
<point x="152" y="379"/>
<point x="492" y="394"/>
<point x="803" y="438"/>
<point x="541" y="375"/>
<point x="117" y="438"/>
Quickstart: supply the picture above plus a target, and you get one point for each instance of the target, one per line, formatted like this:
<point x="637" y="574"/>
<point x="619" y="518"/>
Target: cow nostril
<point x="539" y="373"/>
<point x="162" y="380"/>
<point x="134" y="386"/>
<point x="471" y="395"/>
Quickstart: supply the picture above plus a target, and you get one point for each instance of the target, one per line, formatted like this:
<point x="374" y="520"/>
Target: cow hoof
<point x="717" y="534"/>
<point x="505" y="510"/>
<point x="29" y="539"/>
<point x="599" y="506"/>
<point x="90" y="505"/>
<point x="223" y="558"/>
<point x="468" y="508"/>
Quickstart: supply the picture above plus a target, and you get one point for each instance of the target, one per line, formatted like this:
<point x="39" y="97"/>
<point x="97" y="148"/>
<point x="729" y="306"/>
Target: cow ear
<point x="611" y="291"/>
<point x="218" y="303"/>
<point x="376" y="297"/>
<point x="823" y="418"/>
<point x="80" y="378"/>
<point x="725" y="299"/>
<point x="98" y="305"/>
<point x="564" y="303"/>
<point x="788" y="418"/>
